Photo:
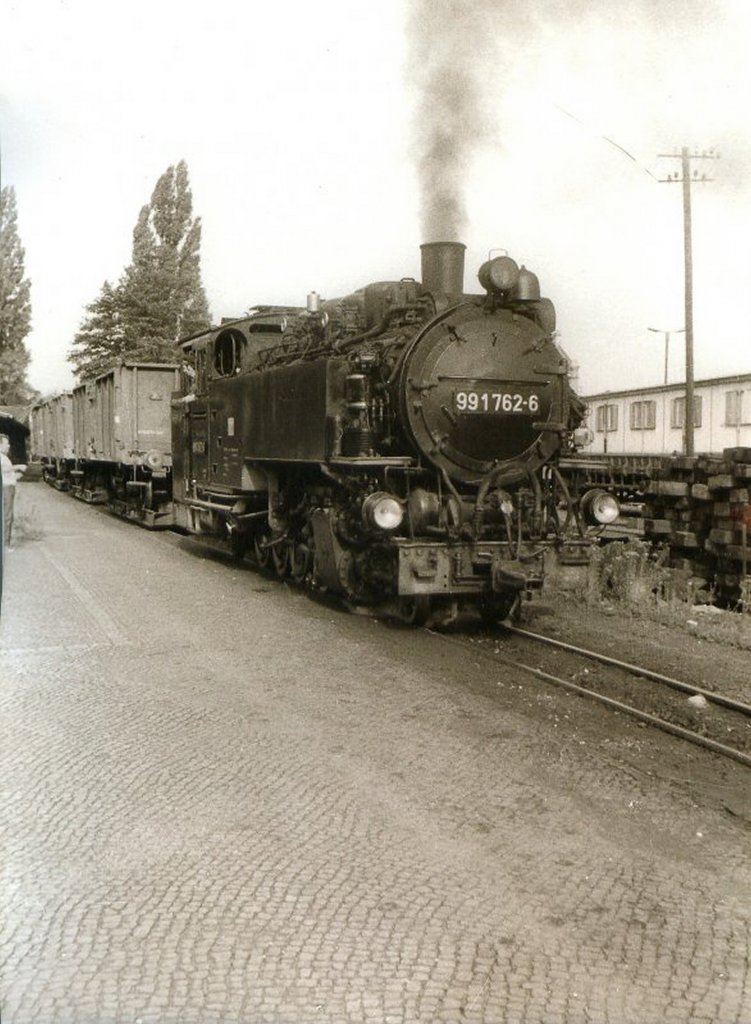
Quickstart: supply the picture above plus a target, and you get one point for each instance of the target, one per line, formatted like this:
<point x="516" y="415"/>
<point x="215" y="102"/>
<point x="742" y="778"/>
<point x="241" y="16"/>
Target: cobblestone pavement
<point x="226" y="802"/>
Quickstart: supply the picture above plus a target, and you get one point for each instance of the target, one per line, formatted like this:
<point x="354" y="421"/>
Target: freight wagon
<point x="108" y="441"/>
<point x="52" y="438"/>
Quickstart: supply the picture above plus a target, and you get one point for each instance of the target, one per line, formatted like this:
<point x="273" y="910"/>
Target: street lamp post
<point x="667" y="334"/>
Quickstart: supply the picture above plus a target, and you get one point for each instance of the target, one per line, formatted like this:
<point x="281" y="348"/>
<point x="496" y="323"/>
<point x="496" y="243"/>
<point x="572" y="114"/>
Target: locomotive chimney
<point x="443" y="267"/>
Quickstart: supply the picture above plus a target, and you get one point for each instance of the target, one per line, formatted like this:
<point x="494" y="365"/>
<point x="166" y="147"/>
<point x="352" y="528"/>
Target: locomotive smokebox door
<point x="470" y="421"/>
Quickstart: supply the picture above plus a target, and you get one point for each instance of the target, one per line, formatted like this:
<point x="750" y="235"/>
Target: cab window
<point x="228" y="352"/>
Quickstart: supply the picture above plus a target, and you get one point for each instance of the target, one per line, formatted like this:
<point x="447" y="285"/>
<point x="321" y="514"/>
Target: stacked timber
<point x="700" y="508"/>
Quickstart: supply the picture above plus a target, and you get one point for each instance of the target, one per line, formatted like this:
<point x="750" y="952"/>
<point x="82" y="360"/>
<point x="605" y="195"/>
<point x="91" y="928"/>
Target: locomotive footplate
<point x="465" y="568"/>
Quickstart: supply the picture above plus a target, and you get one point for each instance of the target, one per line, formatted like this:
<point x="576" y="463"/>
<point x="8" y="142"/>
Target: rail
<point x="699" y="739"/>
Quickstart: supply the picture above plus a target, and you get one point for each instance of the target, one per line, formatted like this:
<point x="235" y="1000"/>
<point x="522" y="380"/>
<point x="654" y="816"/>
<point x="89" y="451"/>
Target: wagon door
<point x="151" y="387"/>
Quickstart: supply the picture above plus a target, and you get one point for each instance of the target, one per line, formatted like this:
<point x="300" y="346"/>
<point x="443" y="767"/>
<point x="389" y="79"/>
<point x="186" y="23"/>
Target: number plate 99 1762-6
<point x="487" y="401"/>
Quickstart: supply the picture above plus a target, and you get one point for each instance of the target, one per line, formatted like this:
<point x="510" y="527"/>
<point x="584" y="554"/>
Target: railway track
<point x="700" y="716"/>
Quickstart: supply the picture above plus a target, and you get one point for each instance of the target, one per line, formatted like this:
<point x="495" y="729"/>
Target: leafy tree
<point x="15" y="307"/>
<point x="159" y="297"/>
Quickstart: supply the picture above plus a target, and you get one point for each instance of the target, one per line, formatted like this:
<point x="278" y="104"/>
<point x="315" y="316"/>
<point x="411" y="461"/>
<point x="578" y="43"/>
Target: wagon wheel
<point x="280" y="558"/>
<point x="497" y="608"/>
<point x="414" y="609"/>
<point x="116" y="485"/>
<point x="300" y="559"/>
<point x="261" y="553"/>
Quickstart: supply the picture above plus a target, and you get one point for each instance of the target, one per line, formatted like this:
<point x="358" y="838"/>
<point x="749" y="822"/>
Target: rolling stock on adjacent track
<point x="398" y="445"/>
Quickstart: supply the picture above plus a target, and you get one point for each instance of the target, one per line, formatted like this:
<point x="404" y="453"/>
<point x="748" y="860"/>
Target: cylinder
<point x="443" y="267"/>
<point x="357" y="442"/>
<point x="500" y="274"/>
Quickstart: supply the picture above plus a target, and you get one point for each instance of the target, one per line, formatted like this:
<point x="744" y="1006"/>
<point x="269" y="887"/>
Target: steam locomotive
<point x="395" y="446"/>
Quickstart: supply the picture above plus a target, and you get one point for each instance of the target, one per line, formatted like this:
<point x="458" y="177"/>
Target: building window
<point x="643" y="415"/>
<point x="678" y="412"/>
<point x="733" y="404"/>
<point x="606" y="418"/>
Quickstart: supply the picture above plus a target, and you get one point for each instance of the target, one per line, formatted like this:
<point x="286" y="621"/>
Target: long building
<point x="651" y="421"/>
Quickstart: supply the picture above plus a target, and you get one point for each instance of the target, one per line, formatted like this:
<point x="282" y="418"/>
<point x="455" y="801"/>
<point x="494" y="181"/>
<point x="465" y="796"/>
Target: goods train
<point x="397" y="446"/>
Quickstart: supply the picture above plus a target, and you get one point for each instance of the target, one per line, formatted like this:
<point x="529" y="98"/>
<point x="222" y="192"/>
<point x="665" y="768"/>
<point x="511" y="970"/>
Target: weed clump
<point x="631" y="573"/>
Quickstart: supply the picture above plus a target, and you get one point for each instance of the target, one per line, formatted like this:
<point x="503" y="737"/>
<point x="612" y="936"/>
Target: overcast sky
<point x="302" y="123"/>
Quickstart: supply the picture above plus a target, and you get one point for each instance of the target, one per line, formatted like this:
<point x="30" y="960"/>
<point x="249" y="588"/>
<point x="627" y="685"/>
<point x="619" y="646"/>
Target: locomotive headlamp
<point x="599" y="508"/>
<point x="383" y="511"/>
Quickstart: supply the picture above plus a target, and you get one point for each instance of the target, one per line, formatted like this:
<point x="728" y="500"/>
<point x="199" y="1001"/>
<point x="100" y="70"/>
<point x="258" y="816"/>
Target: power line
<point x="604" y="138"/>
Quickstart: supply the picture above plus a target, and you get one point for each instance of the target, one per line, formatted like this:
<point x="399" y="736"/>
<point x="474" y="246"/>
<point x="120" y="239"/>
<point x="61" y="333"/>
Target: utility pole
<point x="686" y="178"/>
<point x="667" y="334"/>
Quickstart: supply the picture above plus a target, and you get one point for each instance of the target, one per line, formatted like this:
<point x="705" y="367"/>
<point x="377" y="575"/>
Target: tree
<point x="98" y="344"/>
<point x="159" y="297"/>
<point x="15" y="307"/>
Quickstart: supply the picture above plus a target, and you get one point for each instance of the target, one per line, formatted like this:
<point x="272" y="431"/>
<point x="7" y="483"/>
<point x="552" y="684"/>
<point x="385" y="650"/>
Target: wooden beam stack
<point x="700" y="507"/>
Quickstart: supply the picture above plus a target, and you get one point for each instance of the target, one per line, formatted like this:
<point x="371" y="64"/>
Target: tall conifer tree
<point x="15" y="307"/>
<point x="159" y="297"/>
<point x="99" y="342"/>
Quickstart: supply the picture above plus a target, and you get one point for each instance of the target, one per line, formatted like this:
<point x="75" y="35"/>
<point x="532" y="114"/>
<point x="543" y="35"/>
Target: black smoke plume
<point x="451" y="45"/>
